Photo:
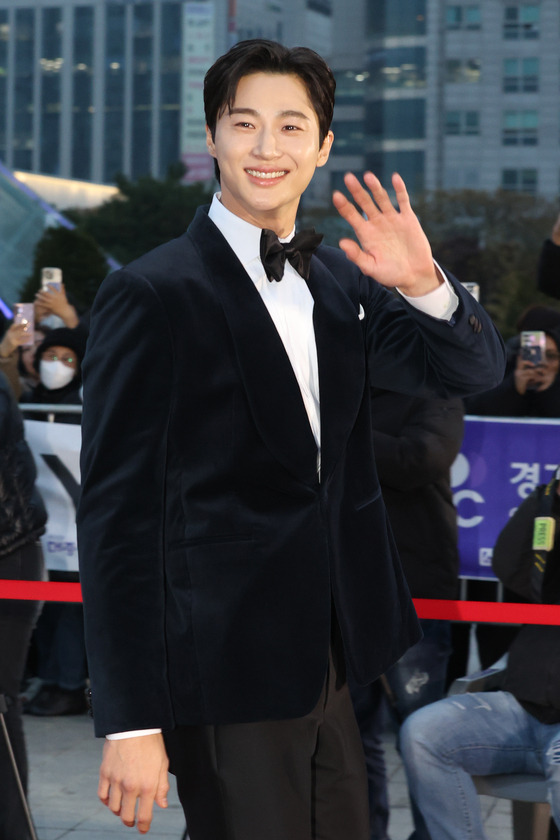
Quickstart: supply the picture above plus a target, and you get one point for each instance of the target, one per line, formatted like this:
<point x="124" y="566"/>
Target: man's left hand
<point x="393" y="248"/>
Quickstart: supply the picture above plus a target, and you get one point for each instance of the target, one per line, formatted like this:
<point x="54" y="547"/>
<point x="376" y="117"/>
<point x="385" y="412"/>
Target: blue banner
<point x="501" y="461"/>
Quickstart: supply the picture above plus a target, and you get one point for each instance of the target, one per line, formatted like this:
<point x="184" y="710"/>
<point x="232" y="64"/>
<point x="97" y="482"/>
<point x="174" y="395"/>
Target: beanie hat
<point x="75" y="339"/>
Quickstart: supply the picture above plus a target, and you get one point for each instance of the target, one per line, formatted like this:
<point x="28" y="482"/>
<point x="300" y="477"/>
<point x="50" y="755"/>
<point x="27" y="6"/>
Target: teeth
<point x="256" y="174"/>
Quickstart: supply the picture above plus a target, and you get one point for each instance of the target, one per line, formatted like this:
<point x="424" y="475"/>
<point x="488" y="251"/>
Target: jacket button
<point x="475" y="323"/>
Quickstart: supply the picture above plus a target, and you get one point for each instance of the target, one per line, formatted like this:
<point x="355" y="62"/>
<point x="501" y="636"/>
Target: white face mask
<point x="55" y="374"/>
<point x="52" y="322"/>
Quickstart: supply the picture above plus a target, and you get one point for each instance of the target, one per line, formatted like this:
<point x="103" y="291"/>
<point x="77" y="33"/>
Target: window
<point x="462" y="122"/>
<point x="520" y="128"/>
<point x="396" y="119"/>
<point x="4" y="35"/>
<point x="459" y="71"/>
<point x="351" y="87"/>
<point x="521" y="21"/>
<point x="520" y="180"/>
<point x="396" y="18"/>
<point x="463" y="17"/>
<point x="24" y="33"/>
<point x="349" y="137"/>
<point x="82" y="83"/>
<point x="521" y="75"/>
<point x="114" y="92"/>
<point x="398" y="67"/>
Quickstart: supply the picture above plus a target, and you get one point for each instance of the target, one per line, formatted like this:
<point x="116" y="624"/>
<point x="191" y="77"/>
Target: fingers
<point x="132" y="777"/>
<point x="372" y="202"/>
<point x="401" y="192"/>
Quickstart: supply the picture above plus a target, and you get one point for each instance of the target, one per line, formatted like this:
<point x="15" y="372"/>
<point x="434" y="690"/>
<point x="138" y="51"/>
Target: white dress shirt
<point x="290" y="305"/>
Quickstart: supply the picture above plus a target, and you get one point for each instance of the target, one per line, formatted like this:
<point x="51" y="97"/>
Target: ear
<point x="325" y="149"/>
<point x="210" y="142"/>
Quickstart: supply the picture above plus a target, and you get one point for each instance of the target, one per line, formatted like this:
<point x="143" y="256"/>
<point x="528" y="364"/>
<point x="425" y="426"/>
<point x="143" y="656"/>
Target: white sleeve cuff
<point x="133" y="733"/>
<point x="440" y="303"/>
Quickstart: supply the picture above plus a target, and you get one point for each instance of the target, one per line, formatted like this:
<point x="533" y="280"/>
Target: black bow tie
<point x="298" y="251"/>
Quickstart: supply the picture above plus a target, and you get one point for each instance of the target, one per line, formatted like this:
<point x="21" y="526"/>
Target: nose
<point x="265" y="144"/>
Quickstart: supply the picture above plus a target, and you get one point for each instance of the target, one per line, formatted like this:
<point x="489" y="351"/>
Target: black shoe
<point x="53" y="700"/>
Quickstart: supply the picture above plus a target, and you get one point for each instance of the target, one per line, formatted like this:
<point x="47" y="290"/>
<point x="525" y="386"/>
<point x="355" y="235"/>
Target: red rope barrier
<point x="35" y="590"/>
<point x="499" y="613"/>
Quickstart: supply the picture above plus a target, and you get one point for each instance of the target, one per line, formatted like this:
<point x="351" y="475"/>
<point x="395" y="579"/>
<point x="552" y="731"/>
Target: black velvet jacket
<point x="210" y="552"/>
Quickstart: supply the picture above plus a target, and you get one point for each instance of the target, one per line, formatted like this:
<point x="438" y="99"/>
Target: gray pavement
<point x="64" y="758"/>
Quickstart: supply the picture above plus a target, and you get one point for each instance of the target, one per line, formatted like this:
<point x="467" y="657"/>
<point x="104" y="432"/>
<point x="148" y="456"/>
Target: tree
<point x="493" y="239"/>
<point x="144" y="214"/>
<point x="82" y="262"/>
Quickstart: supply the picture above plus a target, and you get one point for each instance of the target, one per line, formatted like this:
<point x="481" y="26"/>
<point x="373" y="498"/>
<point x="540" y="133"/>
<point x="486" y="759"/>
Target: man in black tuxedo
<point x="235" y="553"/>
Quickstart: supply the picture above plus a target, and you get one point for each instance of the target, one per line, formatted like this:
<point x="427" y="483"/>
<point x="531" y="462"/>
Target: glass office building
<point x="458" y="94"/>
<point x="90" y="89"/>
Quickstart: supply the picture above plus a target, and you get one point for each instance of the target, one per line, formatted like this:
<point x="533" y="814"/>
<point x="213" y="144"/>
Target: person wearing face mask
<point x="58" y="361"/>
<point x="59" y="636"/>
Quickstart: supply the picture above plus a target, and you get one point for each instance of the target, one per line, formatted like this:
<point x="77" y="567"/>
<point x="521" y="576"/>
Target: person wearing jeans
<point x="483" y="733"/>
<point x="513" y="730"/>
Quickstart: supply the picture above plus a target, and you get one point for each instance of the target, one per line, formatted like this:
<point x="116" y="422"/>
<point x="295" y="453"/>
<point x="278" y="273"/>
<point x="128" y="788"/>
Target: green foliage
<point x="82" y="262"/>
<point x="493" y="239"/>
<point x="145" y="213"/>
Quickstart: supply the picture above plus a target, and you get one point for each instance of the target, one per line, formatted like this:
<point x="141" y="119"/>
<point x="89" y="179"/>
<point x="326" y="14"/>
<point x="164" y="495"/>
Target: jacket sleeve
<point x="127" y="376"/>
<point x="424" y="449"/>
<point x="413" y="353"/>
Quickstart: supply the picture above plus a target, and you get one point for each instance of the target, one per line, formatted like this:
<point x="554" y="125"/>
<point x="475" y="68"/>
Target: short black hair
<point x="261" y="56"/>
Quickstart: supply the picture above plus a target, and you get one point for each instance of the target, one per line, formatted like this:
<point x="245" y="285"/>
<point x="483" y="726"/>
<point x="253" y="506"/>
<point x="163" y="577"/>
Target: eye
<point x="291" y="128"/>
<point x="244" y="124"/>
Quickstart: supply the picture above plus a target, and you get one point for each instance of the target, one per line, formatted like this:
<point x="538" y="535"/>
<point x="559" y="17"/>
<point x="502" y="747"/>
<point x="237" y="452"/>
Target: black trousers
<point x="300" y="779"/>
<point x="17" y="619"/>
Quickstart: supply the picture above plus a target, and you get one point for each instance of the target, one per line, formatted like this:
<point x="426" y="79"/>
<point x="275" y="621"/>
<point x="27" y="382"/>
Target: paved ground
<point x="64" y="758"/>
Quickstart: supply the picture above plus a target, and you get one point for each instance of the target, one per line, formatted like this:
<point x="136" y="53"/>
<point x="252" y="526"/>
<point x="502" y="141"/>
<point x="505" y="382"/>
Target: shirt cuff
<point x="440" y="303"/>
<point x="133" y="733"/>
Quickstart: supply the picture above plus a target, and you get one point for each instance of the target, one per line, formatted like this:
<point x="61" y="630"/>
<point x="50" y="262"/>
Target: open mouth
<point x="266" y="176"/>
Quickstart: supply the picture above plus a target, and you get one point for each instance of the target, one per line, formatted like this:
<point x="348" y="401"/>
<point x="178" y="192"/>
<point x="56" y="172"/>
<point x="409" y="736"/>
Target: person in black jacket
<point x="513" y="730"/>
<point x="415" y="441"/>
<point x="22" y="521"/>
<point x="548" y="272"/>
<point x="59" y="638"/>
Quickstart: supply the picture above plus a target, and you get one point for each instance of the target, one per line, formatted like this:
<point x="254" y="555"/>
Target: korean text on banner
<point x="501" y="461"/>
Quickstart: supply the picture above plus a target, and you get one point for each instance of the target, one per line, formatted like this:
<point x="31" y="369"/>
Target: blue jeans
<point x="480" y="734"/>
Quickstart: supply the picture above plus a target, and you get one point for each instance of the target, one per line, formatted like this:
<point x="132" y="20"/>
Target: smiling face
<point x="267" y="148"/>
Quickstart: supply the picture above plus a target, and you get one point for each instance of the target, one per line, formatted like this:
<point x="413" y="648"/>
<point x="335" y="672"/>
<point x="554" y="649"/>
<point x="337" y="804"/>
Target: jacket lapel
<point x="341" y="355"/>
<point x="270" y="383"/>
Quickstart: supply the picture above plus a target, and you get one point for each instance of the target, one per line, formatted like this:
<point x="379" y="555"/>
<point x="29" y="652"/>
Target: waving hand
<point x="392" y="245"/>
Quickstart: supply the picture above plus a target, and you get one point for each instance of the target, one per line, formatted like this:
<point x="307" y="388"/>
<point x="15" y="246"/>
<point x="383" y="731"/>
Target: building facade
<point x="90" y="88"/>
<point x="455" y="94"/>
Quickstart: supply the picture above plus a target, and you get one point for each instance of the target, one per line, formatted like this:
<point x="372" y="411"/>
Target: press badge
<point x="543" y="533"/>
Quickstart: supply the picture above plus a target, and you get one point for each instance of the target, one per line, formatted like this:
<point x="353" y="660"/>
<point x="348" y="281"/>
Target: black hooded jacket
<point x="22" y="512"/>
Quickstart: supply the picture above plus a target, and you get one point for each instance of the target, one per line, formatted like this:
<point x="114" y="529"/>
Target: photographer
<point x="528" y="389"/>
<point x="513" y="730"/>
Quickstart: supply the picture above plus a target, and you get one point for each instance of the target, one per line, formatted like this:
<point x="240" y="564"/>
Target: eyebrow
<point x="252" y="112"/>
